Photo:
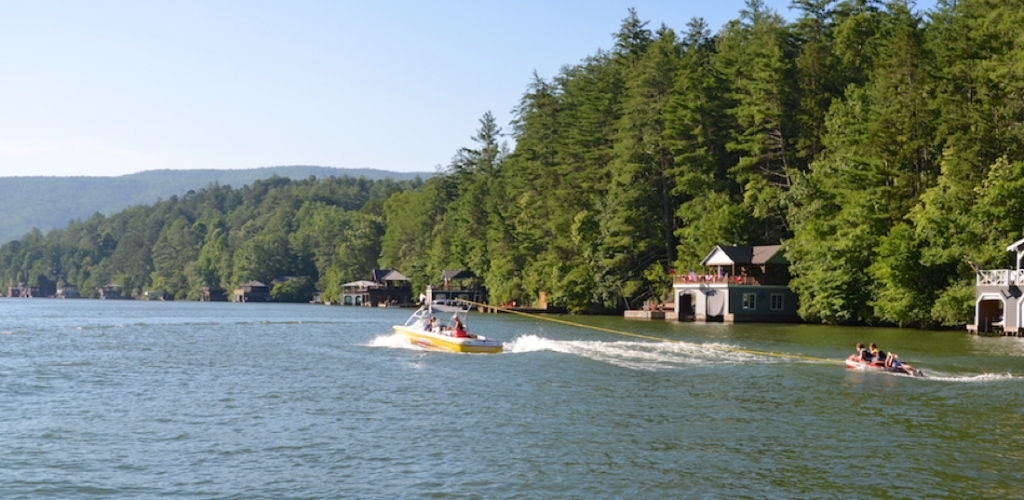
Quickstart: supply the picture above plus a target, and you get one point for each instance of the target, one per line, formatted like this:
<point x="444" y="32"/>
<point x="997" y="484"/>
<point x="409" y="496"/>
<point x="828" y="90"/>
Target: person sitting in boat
<point x="863" y="353"/>
<point x="430" y="324"/>
<point x="877" y="354"/>
<point x="460" y="330"/>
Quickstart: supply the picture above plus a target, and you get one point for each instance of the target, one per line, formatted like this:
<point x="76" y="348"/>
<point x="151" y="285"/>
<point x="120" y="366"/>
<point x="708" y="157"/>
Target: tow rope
<point x="658" y="339"/>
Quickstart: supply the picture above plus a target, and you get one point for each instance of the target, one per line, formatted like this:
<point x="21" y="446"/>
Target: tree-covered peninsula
<point x="884" y="147"/>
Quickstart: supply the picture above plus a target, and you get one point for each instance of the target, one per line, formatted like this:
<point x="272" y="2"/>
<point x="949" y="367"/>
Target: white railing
<point x="1000" y="277"/>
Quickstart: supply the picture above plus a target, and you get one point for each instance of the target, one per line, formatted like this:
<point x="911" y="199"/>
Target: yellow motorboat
<point x="423" y="329"/>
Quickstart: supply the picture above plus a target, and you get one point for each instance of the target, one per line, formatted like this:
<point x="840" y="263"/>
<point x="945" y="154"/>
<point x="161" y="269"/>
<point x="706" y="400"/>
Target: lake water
<point x="112" y="399"/>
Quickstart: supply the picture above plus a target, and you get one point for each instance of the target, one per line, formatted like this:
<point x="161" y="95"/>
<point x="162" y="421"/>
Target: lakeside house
<point x="24" y="291"/>
<point x="154" y="295"/>
<point x="68" y="291"/>
<point x="457" y="284"/>
<point x="111" y="291"/>
<point x="737" y="284"/>
<point x="253" y="291"/>
<point x="386" y="287"/>
<point x="998" y="303"/>
<point x="212" y="294"/>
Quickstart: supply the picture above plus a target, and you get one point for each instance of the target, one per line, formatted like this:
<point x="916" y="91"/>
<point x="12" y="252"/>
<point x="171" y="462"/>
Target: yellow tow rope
<point x="659" y="339"/>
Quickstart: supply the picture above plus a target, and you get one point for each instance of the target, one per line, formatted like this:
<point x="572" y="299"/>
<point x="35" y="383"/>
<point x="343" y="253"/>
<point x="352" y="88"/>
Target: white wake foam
<point x="638" y="355"/>
<point x="394" y="341"/>
<point x="976" y="378"/>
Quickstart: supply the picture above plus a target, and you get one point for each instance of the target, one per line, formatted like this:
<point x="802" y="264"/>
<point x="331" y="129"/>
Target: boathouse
<point x="737" y="284"/>
<point x="212" y="294"/>
<point x="998" y="303"/>
<point x="23" y="290"/>
<point x="387" y="287"/>
<point x="154" y="295"/>
<point x="110" y="291"/>
<point x="253" y="291"/>
<point x="457" y="284"/>
<point x="67" y="291"/>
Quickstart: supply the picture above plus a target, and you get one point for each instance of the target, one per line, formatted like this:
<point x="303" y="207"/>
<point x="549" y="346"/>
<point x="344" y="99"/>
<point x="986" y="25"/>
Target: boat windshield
<point x="423" y="314"/>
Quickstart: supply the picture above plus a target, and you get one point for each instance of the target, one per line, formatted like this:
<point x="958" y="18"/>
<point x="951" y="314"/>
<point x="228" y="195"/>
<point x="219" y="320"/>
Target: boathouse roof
<point x="725" y="255"/>
<point x="456" y="274"/>
<point x="362" y="284"/>
<point x="382" y="275"/>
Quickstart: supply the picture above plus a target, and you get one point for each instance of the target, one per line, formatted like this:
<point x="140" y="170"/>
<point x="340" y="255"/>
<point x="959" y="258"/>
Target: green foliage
<point x="294" y="290"/>
<point x="218" y="236"/>
<point x="902" y="294"/>
<point x="50" y="202"/>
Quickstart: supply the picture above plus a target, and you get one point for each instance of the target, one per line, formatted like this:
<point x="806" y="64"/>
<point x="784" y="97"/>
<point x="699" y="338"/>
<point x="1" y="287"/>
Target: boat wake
<point x="394" y="341"/>
<point x="657" y="356"/>
<point x="972" y="378"/>
<point x="652" y="356"/>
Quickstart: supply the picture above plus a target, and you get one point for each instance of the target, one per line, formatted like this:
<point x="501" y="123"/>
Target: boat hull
<point x="431" y="340"/>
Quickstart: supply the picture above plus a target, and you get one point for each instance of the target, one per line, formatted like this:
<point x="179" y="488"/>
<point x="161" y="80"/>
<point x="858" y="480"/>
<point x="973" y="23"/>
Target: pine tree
<point x="756" y="55"/>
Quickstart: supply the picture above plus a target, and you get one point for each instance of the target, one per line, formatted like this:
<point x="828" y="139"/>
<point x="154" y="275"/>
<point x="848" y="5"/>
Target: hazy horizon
<point x="240" y="169"/>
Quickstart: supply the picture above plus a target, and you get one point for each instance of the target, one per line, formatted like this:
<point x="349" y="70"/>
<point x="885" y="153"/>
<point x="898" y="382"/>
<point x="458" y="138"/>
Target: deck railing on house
<point x="713" y="279"/>
<point x="1000" y="277"/>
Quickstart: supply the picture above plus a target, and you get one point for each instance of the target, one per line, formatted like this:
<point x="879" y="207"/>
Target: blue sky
<point x="116" y="87"/>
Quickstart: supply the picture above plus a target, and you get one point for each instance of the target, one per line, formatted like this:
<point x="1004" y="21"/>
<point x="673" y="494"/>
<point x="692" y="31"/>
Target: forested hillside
<point x="883" y="147"/>
<point x="328" y="230"/>
<point x="50" y="202"/>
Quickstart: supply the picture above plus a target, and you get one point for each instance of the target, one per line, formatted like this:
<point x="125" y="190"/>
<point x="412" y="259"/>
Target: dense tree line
<point x="327" y="230"/>
<point x="884" y="147"/>
<point x="50" y="202"/>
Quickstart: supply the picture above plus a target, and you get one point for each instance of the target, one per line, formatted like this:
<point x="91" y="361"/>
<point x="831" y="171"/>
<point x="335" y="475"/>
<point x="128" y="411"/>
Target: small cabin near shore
<point x="999" y="302"/>
<point x="212" y="294"/>
<point x="24" y="291"/>
<point x="457" y="284"/>
<point x="385" y="288"/>
<point x="67" y="291"/>
<point x="253" y="291"/>
<point x="110" y="291"/>
<point x="737" y="284"/>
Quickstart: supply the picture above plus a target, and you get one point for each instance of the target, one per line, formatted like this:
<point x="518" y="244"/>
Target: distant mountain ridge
<point x="51" y="202"/>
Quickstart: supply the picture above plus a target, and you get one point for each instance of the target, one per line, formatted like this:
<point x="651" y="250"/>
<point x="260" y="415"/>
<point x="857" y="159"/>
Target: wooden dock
<point x="645" y="315"/>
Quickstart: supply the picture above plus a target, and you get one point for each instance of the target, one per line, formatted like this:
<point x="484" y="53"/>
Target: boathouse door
<point x="989" y="314"/>
<point x="686" y="306"/>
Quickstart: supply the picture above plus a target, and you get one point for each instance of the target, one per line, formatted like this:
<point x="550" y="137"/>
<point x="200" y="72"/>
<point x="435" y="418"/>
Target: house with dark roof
<point x="67" y="291"/>
<point x="737" y="284"/>
<point x="387" y="287"/>
<point x="253" y="291"/>
<point x="23" y="290"/>
<point x="111" y="291"/>
<point x="457" y="284"/>
<point x="212" y="294"/>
